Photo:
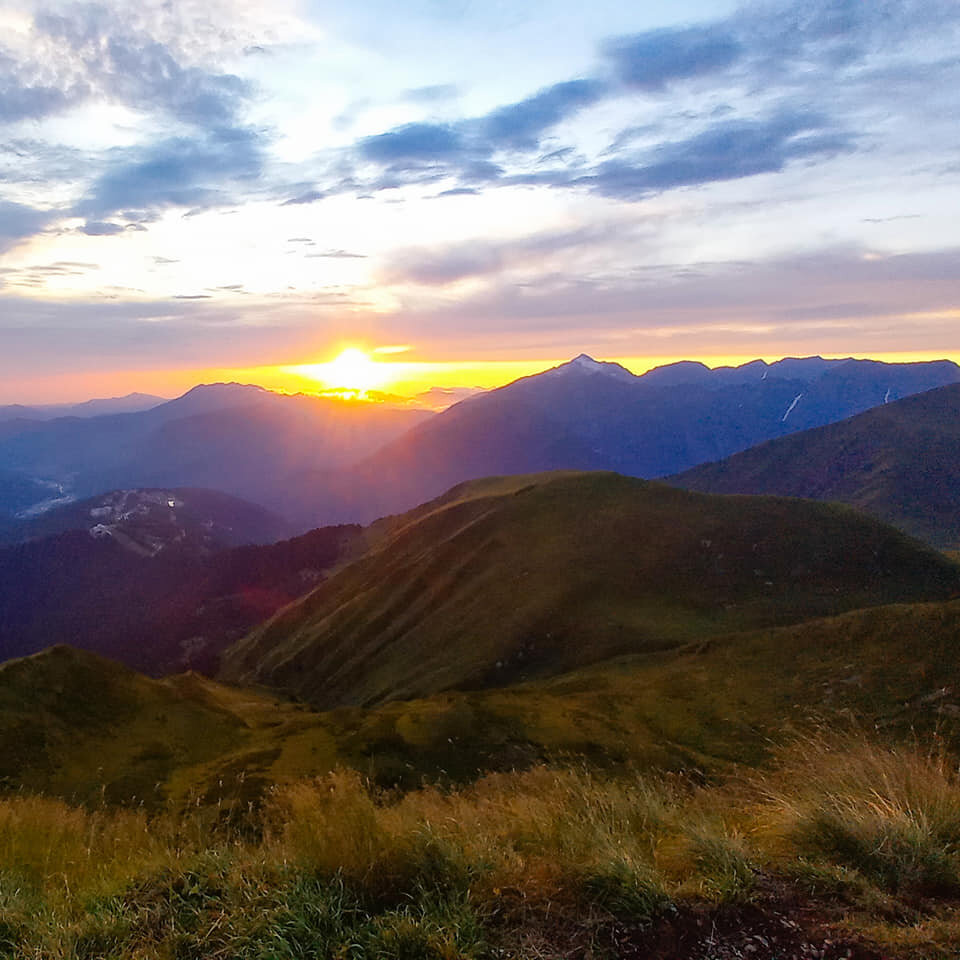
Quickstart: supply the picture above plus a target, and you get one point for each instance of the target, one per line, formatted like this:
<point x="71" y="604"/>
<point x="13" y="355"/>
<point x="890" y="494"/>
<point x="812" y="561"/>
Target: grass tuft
<point x="892" y="813"/>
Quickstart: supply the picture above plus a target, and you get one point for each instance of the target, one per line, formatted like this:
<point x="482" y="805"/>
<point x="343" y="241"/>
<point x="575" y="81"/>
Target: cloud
<point x="336" y="255"/>
<point x="102" y="228"/>
<point x="431" y="94"/>
<point x="651" y="61"/>
<point x="786" y="55"/>
<point x="413" y="142"/>
<point x="420" y="152"/>
<point x="178" y="171"/>
<point x="311" y="196"/>
<point x="847" y="298"/>
<point x="18" y="222"/>
<point x="523" y="124"/>
<point x="437" y="267"/>
<point x="728" y="150"/>
<point x="128" y="65"/>
<point x="24" y="95"/>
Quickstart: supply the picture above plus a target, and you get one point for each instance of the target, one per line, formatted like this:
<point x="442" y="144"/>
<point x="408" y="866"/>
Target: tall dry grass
<point x="548" y="833"/>
<point x="341" y="869"/>
<point x="891" y="812"/>
<point x="52" y="851"/>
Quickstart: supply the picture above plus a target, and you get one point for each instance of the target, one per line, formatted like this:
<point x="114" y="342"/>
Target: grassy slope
<point x="899" y="462"/>
<point x="76" y="726"/>
<point x="704" y="706"/>
<point x="510" y="579"/>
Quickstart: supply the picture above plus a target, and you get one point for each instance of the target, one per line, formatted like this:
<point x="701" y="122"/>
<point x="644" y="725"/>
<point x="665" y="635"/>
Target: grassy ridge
<point x="75" y="726"/>
<point x="508" y="580"/>
<point x="704" y="707"/>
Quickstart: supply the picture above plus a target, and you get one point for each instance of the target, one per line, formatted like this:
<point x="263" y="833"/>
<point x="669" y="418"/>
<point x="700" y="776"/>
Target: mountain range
<point x="153" y="576"/>
<point x="237" y="438"/>
<point x="131" y="403"/>
<point x="588" y="415"/>
<point x="320" y="460"/>
<point x="899" y="462"/>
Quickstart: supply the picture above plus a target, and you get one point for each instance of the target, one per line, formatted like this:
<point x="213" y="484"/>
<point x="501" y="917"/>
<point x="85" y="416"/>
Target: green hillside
<point x="77" y="726"/>
<point x="700" y="707"/>
<point x="510" y="579"/>
<point x="899" y="462"/>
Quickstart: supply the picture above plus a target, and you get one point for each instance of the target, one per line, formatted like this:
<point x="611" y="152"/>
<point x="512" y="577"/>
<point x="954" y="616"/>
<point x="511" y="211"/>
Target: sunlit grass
<point x="334" y="867"/>
<point x="890" y="812"/>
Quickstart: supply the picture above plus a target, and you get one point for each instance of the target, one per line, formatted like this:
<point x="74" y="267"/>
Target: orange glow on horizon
<point x="403" y="379"/>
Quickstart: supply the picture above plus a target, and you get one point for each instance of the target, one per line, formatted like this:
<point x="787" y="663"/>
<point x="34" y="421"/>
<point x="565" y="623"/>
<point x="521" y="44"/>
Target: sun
<point x="352" y="370"/>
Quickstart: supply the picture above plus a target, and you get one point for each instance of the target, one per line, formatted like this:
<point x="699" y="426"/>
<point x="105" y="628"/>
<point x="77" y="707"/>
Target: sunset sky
<point x="228" y="189"/>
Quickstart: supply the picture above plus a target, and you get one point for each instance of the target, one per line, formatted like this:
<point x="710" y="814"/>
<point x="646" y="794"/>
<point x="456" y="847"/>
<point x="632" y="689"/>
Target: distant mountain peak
<point x="226" y="388"/>
<point x="584" y="363"/>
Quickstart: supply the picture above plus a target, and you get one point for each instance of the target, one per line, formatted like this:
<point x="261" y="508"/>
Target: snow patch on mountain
<point x="585" y="364"/>
<point x="796" y="400"/>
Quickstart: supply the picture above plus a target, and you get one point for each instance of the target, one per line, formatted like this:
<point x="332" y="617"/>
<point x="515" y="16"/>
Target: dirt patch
<point x="739" y="933"/>
<point x="779" y="925"/>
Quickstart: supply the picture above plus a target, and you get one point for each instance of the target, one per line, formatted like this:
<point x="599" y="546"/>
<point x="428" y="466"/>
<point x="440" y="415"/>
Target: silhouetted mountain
<point x="152" y="594"/>
<point x="238" y="438"/>
<point x="515" y="578"/>
<point x="899" y="462"/>
<point x="586" y="415"/>
<point x="131" y="403"/>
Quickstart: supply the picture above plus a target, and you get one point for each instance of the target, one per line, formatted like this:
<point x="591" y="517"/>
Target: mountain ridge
<point x="516" y="577"/>
<point x="574" y="417"/>
<point x="899" y="462"/>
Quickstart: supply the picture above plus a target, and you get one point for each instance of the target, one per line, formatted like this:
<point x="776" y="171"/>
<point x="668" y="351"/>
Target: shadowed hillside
<point x="152" y="593"/>
<point x="515" y="578"/>
<point x="152" y="520"/>
<point x="75" y="725"/>
<point x="899" y="462"/>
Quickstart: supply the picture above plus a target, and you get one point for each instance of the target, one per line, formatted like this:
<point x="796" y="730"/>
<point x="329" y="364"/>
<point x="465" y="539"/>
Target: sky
<point x="469" y="191"/>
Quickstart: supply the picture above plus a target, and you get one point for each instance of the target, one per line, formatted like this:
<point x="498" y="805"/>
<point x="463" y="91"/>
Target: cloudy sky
<point x="192" y="188"/>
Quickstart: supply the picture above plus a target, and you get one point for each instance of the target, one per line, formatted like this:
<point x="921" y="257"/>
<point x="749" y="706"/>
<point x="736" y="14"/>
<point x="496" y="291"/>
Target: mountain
<point x="899" y="462"/>
<point x="590" y="415"/>
<point x="131" y="403"/>
<point x="515" y="578"/>
<point x="238" y="438"/>
<point x="19" y="492"/>
<point x="146" y="584"/>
